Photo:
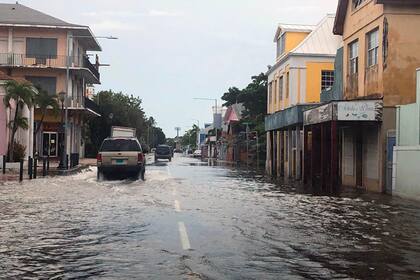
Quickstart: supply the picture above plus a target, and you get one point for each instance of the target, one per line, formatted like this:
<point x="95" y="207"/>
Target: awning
<point x="358" y="110"/>
<point x="287" y="117"/>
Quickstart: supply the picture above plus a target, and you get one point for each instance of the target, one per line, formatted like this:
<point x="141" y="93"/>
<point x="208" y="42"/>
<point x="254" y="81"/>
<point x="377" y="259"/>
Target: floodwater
<point x="194" y="221"/>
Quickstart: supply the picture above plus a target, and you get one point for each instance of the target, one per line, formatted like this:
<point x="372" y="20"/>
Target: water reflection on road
<point x="237" y="225"/>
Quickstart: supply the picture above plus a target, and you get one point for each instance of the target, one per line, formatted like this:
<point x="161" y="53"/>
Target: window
<point x="41" y="48"/>
<point x="281" y="88"/>
<point x="357" y="3"/>
<point x="327" y="79"/>
<point x="287" y="85"/>
<point x="281" y="42"/>
<point x="120" y="145"/>
<point x="372" y="47"/>
<point x="48" y="84"/>
<point x="274" y="92"/>
<point x="354" y="57"/>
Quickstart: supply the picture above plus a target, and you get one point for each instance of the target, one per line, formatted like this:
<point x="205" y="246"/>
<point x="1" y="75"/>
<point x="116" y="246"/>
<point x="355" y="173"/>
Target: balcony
<point x="92" y="107"/>
<point x="47" y="61"/>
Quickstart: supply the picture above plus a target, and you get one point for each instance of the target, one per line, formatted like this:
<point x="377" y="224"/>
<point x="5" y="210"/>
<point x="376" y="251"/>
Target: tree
<point x="21" y="94"/>
<point x="44" y="101"/>
<point x="119" y="109"/>
<point x="232" y="96"/>
<point x="190" y="137"/>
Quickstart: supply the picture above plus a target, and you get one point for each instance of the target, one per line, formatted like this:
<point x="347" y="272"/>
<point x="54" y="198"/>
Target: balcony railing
<point x="87" y="64"/>
<point x="91" y="105"/>
<point x="57" y="61"/>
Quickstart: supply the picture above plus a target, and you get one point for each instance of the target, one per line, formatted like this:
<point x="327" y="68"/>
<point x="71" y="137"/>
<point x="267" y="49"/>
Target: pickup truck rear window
<point x="120" y="145"/>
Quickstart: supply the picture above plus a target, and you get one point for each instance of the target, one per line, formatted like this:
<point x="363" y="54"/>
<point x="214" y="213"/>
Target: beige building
<point x="380" y="57"/>
<point x="35" y="46"/>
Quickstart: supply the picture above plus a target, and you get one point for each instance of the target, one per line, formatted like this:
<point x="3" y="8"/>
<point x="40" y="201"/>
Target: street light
<point x="215" y="111"/>
<point x="67" y="84"/>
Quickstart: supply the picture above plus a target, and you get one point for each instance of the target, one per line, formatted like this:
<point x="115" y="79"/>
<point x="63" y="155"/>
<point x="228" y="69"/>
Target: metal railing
<point x="89" y="104"/>
<point x="59" y="61"/>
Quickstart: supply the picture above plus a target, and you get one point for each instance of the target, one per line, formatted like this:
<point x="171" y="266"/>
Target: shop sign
<point x="370" y="110"/>
<point x="320" y="114"/>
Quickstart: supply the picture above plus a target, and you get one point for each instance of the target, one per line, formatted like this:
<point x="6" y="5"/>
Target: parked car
<point x="197" y="154"/>
<point x="121" y="156"/>
<point x="163" y="152"/>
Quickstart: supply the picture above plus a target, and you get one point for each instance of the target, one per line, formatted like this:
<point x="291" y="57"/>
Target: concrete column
<point x="290" y="152"/>
<point x="274" y="152"/>
<point x="268" y="160"/>
<point x="298" y="152"/>
<point x="278" y="156"/>
<point x="10" y="40"/>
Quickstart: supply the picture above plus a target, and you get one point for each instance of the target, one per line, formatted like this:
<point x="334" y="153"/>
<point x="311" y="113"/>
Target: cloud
<point x="161" y="13"/>
<point x="113" y="25"/>
<point x="126" y="14"/>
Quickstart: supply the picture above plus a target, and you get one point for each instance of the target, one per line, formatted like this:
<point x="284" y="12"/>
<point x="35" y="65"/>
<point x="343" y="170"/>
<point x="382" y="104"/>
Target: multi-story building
<point x="304" y="66"/>
<point x="41" y="49"/>
<point x="352" y="140"/>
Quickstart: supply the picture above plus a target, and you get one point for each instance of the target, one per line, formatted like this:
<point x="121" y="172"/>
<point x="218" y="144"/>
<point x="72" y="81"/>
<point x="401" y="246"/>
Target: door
<point x="3" y="50"/>
<point x="390" y="144"/>
<point x="50" y="144"/>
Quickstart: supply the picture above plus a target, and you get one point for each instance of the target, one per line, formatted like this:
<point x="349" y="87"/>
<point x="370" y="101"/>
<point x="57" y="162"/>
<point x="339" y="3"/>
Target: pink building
<point x="35" y="46"/>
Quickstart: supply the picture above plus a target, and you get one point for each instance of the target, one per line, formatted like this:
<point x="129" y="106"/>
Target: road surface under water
<point x="194" y="221"/>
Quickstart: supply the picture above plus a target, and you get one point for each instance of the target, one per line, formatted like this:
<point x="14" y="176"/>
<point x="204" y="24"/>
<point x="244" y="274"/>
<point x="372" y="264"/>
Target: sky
<point x="170" y="51"/>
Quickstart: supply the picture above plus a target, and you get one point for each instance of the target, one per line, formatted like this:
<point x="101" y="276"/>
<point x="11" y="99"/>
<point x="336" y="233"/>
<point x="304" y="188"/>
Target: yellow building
<point x="304" y="67"/>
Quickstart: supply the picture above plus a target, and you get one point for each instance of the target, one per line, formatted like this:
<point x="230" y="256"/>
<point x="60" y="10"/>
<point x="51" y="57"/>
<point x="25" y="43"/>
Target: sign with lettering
<point x="370" y="110"/>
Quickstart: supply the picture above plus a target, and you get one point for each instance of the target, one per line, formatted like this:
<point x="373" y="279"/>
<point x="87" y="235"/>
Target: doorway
<point x="50" y="144"/>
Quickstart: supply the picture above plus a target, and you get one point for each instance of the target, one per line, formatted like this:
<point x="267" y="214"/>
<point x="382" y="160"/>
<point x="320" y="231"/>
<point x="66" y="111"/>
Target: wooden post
<point x="35" y="167"/>
<point x="30" y="170"/>
<point x="298" y="154"/>
<point x="334" y="156"/>
<point x="322" y="142"/>
<point x="21" y="171"/>
<point x="4" y="165"/>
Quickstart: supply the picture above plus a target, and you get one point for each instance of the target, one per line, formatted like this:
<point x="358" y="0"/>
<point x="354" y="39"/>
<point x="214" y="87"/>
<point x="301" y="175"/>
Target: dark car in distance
<point x="121" y="156"/>
<point x="163" y="152"/>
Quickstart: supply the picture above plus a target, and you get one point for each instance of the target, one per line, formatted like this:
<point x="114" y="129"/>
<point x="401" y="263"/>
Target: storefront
<point x="343" y="145"/>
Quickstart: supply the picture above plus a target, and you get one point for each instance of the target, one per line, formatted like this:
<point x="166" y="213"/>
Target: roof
<point x="237" y="109"/>
<point x="342" y="11"/>
<point x="20" y="15"/>
<point x="282" y="27"/>
<point x="321" y="40"/>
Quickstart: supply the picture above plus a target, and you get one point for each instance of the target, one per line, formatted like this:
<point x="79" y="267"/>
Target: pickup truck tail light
<point x="99" y="158"/>
<point x="140" y="157"/>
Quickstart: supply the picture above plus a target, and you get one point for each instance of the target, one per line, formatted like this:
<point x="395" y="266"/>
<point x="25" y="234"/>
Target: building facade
<point x="41" y="49"/>
<point x="304" y="67"/>
<point x="406" y="176"/>
<point x="354" y="137"/>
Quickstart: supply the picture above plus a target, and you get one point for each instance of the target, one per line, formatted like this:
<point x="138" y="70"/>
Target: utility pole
<point x="178" y="129"/>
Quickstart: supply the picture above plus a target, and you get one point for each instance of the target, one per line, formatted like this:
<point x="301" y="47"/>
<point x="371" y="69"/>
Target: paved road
<point x="193" y="221"/>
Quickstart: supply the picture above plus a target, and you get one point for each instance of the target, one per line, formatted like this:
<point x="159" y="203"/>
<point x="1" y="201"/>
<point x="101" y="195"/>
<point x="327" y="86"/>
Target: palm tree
<point x="44" y="101"/>
<point x="21" y="93"/>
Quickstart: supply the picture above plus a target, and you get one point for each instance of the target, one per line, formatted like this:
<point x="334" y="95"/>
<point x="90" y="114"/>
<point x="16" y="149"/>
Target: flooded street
<point x="194" y="221"/>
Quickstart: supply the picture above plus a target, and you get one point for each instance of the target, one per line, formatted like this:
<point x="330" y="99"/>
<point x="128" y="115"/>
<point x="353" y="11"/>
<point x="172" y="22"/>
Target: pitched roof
<point x="283" y="27"/>
<point x="321" y="40"/>
<point x="20" y="15"/>
<point x="342" y="11"/>
<point x="5" y="77"/>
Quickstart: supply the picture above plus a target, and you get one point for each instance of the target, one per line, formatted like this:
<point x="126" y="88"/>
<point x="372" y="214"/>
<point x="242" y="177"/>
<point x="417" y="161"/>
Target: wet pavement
<point x="194" y="221"/>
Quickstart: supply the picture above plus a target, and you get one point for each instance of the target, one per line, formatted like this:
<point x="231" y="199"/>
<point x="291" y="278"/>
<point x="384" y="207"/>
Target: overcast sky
<point x="170" y="51"/>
